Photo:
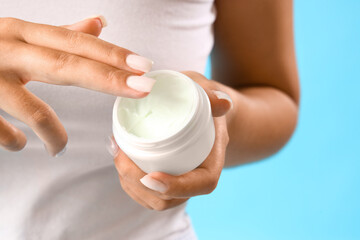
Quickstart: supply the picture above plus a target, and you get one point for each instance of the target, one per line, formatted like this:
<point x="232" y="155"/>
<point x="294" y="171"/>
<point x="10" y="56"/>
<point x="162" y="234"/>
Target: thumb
<point x="91" y="25"/>
<point x="220" y="102"/>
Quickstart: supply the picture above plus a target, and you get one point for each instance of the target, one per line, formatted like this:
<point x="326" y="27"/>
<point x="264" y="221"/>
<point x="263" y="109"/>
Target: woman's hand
<point x="68" y="55"/>
<point x="161" y="191"/>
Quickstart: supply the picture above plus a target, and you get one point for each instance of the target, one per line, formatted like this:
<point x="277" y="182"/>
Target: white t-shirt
<point x="78" y="196"/>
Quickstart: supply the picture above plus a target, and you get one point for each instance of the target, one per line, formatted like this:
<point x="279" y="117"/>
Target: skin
<point x="257" y="63"/>
<point x="54" y="55"/>
<point x="253" y="57"/>
<point x="202" y="180"/>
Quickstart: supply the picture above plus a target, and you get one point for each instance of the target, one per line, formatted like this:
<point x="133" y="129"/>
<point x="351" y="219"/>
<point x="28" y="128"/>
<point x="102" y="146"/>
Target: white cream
<point x="163" y="112"/>
<point x="171" y="130"/>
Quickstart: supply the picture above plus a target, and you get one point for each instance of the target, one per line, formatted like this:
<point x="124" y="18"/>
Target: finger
<point x="31" y="110"/>
<point x="202" y="180"/>
<point x="111" y="146"/>
<point x="133" y="194"/>
<point x="11" y="138"/>
<point x="156" y="202"/>
<point x="92" y="26"/>
<point x="220" y="101"/>
<point x="196" y="182"/>
<point x="84" y="45"/>
<point x="127" y="169"/>
<point x="146" y="198"/>
<point x="56" y="67"/>
<point x="129" y="172"/>
<point x="159" y="204"/>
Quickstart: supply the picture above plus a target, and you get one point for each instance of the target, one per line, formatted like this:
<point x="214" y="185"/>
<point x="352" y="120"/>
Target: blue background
<point x="311" y="189"/>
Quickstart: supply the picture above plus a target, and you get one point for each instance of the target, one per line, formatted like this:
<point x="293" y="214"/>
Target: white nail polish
<point x="139" y="63"/>
<point x="140" y="83"/>
<point x="111" y="146"/>
<point x="59" y="154"/>
<point x="153" y="184"/>
<point x="101" y="18"/>
<point x="223" y="96"/>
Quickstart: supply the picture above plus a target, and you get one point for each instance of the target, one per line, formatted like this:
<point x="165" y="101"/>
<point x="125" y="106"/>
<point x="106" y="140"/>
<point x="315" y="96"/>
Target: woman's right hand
<point x="68" y="55"/>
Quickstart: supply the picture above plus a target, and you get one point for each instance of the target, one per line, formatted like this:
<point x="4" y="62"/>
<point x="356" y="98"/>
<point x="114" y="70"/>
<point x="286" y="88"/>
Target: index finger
<point x="56" y="67"/>
<point x="84" y="45"/>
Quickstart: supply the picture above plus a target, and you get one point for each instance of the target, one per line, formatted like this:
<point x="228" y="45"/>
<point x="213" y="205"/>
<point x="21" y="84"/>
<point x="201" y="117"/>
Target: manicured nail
<point x="59" y="154"/>
<point x="153" y="184"/>
<point x="223" y="96"/>
<point x="101" y="18"/>
<point x="56" y="154"/>
<point x="140" y="83"/>
<point x="111" y="146"/>
<point x="139" y="63"/>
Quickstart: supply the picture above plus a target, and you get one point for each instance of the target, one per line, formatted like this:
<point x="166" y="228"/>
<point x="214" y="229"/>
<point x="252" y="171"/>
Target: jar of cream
<point x="171" y="130"/>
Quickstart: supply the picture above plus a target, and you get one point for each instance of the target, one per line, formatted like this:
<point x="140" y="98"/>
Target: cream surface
<point x="163" y="112"/>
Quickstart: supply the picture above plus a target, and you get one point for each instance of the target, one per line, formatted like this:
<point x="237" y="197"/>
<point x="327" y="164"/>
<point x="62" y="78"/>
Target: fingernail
<point x="139" y="63"/>
<point x="140" y="83"/>
<point x="111" y="146"/>
<point x="101" y="18"/>
<point x="153" y="184"/>
<point x="57" y="154"/>
<point x="223" y="96"/>
<point x="61" y="152"/>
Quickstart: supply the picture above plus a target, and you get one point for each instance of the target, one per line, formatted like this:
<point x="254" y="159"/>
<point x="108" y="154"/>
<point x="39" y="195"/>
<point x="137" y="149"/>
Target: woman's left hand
<point x="161" y="191"/>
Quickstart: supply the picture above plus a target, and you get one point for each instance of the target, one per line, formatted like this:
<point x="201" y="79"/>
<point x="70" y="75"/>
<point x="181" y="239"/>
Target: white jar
<point x="179" y="111"/>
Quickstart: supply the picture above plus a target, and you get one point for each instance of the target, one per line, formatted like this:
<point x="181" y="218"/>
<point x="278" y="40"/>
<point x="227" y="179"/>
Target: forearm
<point x="254" y="53"/>
<point x="261" y="121"/>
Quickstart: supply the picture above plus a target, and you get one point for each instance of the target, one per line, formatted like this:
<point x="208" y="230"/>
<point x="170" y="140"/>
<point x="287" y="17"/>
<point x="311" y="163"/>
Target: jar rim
<point x="152" y="142"/>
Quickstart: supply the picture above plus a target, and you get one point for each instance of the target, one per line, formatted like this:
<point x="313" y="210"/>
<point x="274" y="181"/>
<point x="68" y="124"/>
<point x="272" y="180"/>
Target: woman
<point x="254" y="100"/>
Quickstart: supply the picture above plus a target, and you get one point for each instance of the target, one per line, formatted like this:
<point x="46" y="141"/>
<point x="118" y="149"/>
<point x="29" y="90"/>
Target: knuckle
<point x="8" y="23"/>
<point x="122" y="169"/>
<point x="160" y="205"/>
<point x="113" y="78"/>
<point x="212" y="84"/>
<point x="123" y="185"/>
<point x="74" y="39"/>
<point x="124" y="173"/>
<point x="165" y="197"/>
<point x="9" y="46"/>
<point x="116" y="56"/>
<point x="62" y="60"/>
<point x="41" y="117"/>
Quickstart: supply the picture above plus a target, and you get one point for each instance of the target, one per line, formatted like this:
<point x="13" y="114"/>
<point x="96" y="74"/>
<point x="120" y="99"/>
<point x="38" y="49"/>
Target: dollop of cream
<point x="163" y="112"/>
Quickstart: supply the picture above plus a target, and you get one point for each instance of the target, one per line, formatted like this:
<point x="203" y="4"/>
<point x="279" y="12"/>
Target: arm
<point x="254" y="56"/>
<point x="254" y="59"/>
<point x="68" y="55"/>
